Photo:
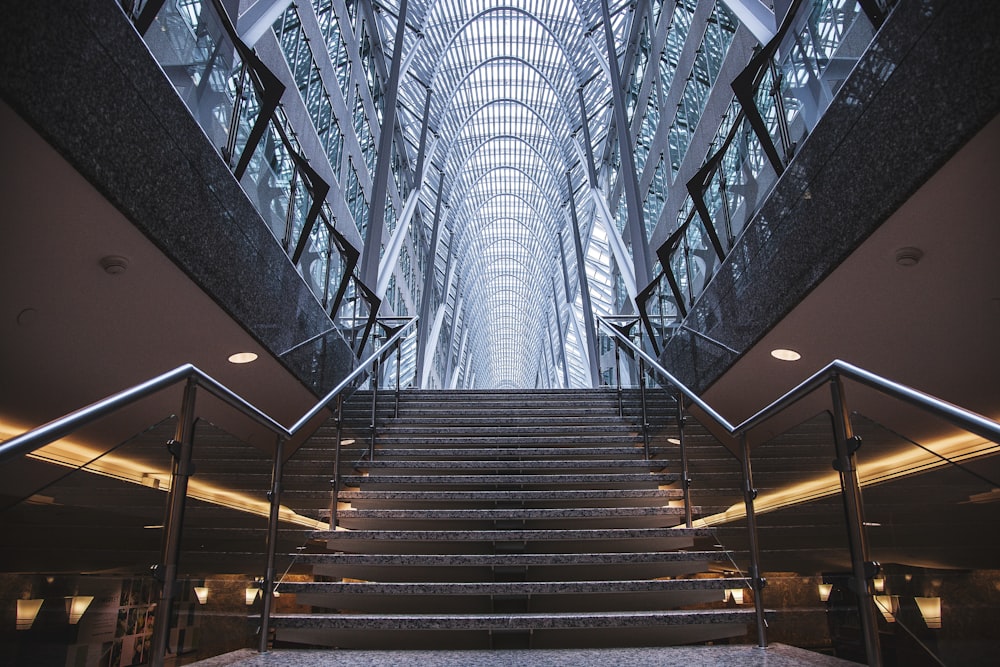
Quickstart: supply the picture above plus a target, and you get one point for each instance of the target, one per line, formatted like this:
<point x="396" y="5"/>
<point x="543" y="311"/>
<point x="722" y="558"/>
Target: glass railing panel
<point x="268" y="183"/>
<point x="225" y="535"/>
<point x="701" y="259"/>
<point x="930" y="524"/>
<point x="817" y="58"/>
<point x="802" y="533"/>
<point x="191" y="45"/>
<point x="81" y="530"/>
<point x="716" y="490"/>
<point x="319" y="266"/>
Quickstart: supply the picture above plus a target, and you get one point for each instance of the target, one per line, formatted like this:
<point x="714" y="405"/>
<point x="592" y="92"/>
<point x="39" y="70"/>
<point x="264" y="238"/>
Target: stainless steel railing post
<point x="267" y="591"/>
<point x="181" y="469"/>
<point x="685" y="477"/>
<point x="375" y="372"/>
<point x="336" y="464"/>
<point x="618" y="378"/>
<point x="757" y="581"/>
<point x="642" y="396"/>
<point x="399" y="352"/>
<point x="862" y="567"/>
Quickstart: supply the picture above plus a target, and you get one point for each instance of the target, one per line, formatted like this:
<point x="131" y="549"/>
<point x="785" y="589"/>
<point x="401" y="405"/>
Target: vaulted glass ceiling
<point x="505" y="122"/>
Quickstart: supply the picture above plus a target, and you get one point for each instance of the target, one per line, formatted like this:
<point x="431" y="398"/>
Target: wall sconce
<point x="76" y="605"/>
<point x="27" y="610"/>
<point x="201" y="592"/>
<point x="878" y="583"/>
<point x="824" y="592"/>
<point x="930" y="609"/>
<point x="888" y="606"/>
<point x="251" y="594"/>
<point x="736" y="594"/>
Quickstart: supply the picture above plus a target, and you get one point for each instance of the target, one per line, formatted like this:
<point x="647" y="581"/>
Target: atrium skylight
<point x="505" y="81"/>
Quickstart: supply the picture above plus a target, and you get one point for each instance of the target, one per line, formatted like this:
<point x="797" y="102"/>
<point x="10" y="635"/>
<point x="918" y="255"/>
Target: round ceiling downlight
<point x="785" y="355"/>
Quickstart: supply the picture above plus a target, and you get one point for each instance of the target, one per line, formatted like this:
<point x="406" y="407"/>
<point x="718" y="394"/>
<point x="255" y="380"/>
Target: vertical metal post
<point x="618" y="378"/>
<point x="685" y="477"/>
<point x="642" y="396"/>
<point x="399" y="352"/>
<point x="757" y="581"/>
<point x="180" y="448"/>
<point x="375" y="372"/>
<point x="267" y="591"/>
<point x="336" y="464"/>
<point x="862" y="567"/>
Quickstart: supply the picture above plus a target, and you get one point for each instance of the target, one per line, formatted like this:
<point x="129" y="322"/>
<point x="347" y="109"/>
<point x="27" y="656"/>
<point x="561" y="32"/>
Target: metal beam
<point x="643" y="268"/>
<point x="376" y="213"/>
<point x="756" y="16"/>
<point x="258" y="19"/>
<point x="581" y="276"/>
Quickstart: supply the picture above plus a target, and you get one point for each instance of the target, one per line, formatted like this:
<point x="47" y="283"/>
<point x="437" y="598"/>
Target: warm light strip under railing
<point x="89" y="459"/>
<point x="958" y="448"/>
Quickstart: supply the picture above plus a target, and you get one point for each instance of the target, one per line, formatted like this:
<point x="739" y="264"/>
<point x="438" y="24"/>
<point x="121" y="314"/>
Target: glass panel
<point x="196" y="54"/>
<point x="268" y="182"/>
<point x="73" y="492"/>
<point x="928" y="522"/>
<point x="802" y="533"/>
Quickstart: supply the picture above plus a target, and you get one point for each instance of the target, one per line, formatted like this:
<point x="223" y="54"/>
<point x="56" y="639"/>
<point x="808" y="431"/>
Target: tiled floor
<point x="777" y="655"/>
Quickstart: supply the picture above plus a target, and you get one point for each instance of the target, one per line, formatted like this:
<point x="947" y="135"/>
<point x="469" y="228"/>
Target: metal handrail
<point x="863" y="569"/>
<point x="47" y="433"/>
<point x="193" y="378"/>
<point x="958" y="416"/>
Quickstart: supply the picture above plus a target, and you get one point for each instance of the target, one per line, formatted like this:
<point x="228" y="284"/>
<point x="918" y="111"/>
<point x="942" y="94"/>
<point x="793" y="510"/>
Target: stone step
<point x="387" y="452"/>
<point x="511" y="440"/>
<point x="526" y="621"/>
<point x="554" y="535"/>
<point x="511" y="496"/>
<point x="510" y="587"/>
<point x="509" y="560"/>
<point x="507" y="479"/>
<point x="517" y="514"/>
<point x="511" y="465"/>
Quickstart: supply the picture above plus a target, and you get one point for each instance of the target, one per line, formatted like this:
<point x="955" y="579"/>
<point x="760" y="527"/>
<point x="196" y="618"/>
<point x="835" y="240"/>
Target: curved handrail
<point x="42" y="435"/>
<point x="966" y="419"/>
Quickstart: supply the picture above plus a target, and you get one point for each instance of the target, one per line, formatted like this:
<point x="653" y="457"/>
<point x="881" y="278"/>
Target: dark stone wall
<point x="925" y="86"/>
<point x="83" y="78"/>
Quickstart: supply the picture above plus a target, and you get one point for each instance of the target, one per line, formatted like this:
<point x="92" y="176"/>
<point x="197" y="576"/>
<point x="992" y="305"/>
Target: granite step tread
<point x="509" y="560"/>
<point x="531" y="464"/>
<point x="510" y="587"/>
<point x="526" y="621"/>
<point x="518" y="513"/>
<point x="513" y="479"/>
<point x="523" y="535"/>
<point x="473" y="440"/>
<point x="515" y="496"/>
<point x="383" y="452"/>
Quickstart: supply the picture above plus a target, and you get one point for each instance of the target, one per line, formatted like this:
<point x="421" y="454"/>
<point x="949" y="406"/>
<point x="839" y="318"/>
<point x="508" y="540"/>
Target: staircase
<point x="522" y="519"/>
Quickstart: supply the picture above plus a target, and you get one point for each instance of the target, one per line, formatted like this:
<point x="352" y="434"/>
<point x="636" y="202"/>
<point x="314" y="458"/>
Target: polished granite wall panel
<point x="919" y="93"/>
<point x="85" y="80"/>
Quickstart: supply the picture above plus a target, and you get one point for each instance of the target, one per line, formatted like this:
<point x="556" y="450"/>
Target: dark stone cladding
<point x="83" y="78"/>
<point x="923" y="88"/>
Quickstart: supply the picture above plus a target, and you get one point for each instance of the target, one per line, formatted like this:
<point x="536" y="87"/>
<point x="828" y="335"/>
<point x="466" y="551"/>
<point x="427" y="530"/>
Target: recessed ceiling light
<point x="242" y="357"/>
<point x="674" y="441"/>
<point x="785" y="355"/>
